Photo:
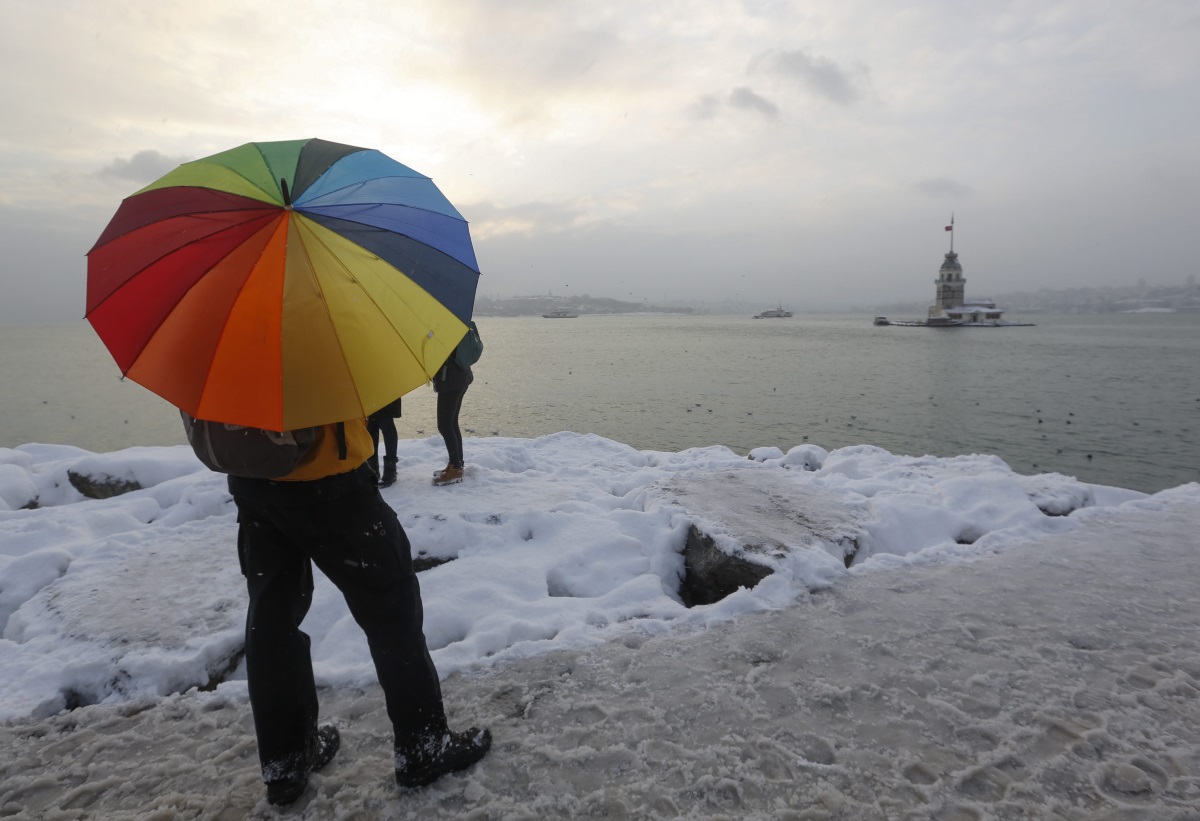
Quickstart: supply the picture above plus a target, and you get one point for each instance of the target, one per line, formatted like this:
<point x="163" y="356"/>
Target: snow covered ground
<point x="1002" y="646"/>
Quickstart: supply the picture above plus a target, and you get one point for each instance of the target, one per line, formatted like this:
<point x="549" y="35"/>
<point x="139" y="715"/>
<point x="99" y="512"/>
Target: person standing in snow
<point x="384" y="421"/>
<point x="328" y="511"/>
<point x="450" y="384"/>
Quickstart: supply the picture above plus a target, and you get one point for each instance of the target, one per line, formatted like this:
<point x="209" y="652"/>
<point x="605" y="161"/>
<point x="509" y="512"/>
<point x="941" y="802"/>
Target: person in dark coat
<point x="384" y="421"/>
<point x="451" y="383"/>
<point x="328" y="512"/>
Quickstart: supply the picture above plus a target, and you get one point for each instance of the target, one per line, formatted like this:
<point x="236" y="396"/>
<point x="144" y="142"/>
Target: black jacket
<point x="452" y="377"/>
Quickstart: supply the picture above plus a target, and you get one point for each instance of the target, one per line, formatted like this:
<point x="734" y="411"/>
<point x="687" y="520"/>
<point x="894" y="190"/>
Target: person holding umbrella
<point x="279" y="288"/>
<point x="330" y="514"/>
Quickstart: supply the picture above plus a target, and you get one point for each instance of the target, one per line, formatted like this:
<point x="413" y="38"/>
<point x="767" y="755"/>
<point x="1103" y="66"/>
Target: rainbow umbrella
<point x="281" y="285"/>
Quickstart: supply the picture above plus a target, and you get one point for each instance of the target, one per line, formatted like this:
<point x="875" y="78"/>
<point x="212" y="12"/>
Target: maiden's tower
<point x="950" y="305"/>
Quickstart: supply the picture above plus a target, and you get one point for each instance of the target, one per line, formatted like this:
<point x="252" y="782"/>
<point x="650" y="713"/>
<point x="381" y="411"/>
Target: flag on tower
<point x="949" y="227"/>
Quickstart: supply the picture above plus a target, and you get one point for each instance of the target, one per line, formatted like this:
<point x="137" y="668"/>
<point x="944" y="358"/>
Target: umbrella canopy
<point x="281" y="285"/>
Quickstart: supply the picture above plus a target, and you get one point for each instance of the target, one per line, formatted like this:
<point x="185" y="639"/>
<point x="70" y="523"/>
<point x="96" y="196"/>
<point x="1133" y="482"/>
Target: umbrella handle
<point x="287" y="195"/>
<point x="424" y="343"/>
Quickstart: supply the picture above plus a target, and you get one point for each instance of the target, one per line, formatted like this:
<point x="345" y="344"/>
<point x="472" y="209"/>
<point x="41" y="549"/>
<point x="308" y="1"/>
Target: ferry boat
<point x="560" y="313"/>
<point x="773" y="313"/>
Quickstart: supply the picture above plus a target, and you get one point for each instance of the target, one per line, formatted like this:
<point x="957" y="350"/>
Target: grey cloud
<point x="819" y="74"/>
<point x="579" y="55"/>
<point x="144" y="166"/>
<point x="709" y="106"/>
<point x="943" y="188"/>
<point x="705" y="108"/>
<point x="747" y="100"/>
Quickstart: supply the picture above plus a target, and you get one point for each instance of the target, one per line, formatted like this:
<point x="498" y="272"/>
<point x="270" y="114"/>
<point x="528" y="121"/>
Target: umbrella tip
<point x="287" y="195"/>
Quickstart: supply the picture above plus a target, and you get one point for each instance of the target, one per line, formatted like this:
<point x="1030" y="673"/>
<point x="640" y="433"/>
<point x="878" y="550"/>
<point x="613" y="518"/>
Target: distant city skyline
<point x="1184" y="295"/>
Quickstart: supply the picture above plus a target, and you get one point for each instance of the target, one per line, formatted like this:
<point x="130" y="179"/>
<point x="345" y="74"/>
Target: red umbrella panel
<point x="283" y="284"/>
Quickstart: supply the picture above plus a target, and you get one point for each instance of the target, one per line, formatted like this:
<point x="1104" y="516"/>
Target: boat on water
<point x="773" y="313"/>
<point x="560" y="313"/>
<point x="882" y="320"/>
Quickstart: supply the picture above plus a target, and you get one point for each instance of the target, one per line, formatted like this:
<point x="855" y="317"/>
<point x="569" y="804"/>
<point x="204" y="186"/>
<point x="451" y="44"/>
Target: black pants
<point x="384" y="423"/>
<point x="449" y="403"/>
<point x="341" y="524"/>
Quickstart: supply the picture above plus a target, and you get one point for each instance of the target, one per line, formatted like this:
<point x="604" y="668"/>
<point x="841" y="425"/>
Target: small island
<point x="950" y="308"/>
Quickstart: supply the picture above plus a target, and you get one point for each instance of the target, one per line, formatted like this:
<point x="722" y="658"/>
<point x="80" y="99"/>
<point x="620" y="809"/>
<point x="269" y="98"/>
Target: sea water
<point x="1112" y="399"/>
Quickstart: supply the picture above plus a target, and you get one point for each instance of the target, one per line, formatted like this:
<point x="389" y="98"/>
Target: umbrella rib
<point x="251" y="204"/>
<point x="368" y="206"/>
<point x="357" y="220"/>
<point x="208" y="161"/>
<point x="358" y="283"/>
<point x="158" y="259"/>
<point x="266" y="164"/>
<point x="363" y="183"/>
<point x="317" y="283"/>
<point x="224" y="321"/>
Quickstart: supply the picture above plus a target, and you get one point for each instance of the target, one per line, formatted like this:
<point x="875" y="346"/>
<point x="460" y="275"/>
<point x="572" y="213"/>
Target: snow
<point x="1002" y="646"/>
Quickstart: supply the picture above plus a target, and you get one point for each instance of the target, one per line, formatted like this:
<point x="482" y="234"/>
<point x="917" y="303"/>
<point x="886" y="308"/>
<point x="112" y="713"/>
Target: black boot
<point x="286" y="790"/>
<point x="389" y="472"/>
<point x="446" y="753"/>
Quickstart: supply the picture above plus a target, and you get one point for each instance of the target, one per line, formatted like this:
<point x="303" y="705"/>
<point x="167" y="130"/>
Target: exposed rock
<point x="710" y="574"/>
<point x="743" y="522"/>
<point x="100" y="487"/>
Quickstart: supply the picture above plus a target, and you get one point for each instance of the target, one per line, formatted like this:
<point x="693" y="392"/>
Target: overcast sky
<point x="808" y="153"/>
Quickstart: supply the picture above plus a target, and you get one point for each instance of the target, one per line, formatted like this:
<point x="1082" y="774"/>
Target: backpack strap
<point x="341" y="440"/>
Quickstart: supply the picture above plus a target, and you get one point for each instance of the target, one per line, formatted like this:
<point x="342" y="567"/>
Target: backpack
<point x="470" y="349"/>
<point x="250" y="452"/>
